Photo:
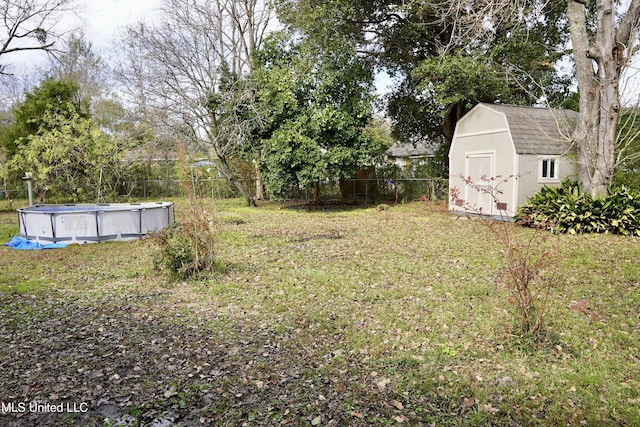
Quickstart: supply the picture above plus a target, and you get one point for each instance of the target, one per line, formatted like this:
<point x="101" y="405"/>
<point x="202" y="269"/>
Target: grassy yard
<point x="319" y="317"/>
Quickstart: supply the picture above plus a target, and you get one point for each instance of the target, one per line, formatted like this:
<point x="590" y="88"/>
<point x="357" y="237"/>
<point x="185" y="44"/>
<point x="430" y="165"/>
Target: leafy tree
<point x="52" y="97"/>
<point x="53" y="136"/>
<point x="446" y="56"/>
<point x="317" y="105"/>
<point x="69" y="157"/>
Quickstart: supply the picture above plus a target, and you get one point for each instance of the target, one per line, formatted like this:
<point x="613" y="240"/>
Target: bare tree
<point x="77" y="61"/>
<point x="600" y="56"/>
<point x="628" y="143"/>
<point x="473" y="22"/>
<point x="29" y="25"/>
<point x="193" y="65"/>
<point x="14" y="87"/>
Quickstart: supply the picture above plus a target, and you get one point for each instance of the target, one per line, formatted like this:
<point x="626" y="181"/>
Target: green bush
<point x="568" y="209"/>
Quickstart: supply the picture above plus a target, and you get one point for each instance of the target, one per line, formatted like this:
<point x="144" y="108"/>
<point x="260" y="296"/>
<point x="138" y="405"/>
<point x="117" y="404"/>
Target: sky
<point x="103" y="18"/>
<point x="101" y="21"/>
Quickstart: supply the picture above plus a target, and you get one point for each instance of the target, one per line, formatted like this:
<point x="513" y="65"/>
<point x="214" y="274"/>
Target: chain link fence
<point x="377" y="189"/>
<point x="211" y="187"/>
<point x="351" y="191"/>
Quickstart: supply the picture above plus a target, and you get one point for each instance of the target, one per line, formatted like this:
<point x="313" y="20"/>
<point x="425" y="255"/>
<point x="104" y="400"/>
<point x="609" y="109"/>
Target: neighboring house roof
<point x="411" y="149"/>
<point x="150" y="154"/>
<point x="539" y="130"/>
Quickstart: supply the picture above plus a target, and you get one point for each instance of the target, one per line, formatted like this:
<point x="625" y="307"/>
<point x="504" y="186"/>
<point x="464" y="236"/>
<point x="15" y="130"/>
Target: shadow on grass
<point x="326" y="205"/>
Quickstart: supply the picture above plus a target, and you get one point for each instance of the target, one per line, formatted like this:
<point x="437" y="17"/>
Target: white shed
<point x="532" y="145"/>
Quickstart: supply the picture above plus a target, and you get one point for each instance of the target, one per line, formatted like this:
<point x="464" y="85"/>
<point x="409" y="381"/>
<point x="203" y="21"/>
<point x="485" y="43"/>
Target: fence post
<point x="366" y="191"/>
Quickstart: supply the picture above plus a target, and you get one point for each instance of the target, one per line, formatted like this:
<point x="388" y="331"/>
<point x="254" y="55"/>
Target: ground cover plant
<point x="568" y="209"/>
<point x="358" y="316"/>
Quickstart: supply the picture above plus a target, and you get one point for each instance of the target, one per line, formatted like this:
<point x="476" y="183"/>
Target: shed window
<point x="549" y="168"/>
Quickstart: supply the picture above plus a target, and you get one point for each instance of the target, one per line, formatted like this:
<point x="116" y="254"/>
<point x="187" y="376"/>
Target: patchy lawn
<point x="317" y="317"/>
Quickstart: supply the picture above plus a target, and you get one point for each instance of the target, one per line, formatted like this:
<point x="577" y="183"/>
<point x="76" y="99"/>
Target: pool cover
<point x="23" y="244"/>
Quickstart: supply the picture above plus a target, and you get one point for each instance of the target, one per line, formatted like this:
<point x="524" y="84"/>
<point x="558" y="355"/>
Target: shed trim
<point x="484" y="132"/>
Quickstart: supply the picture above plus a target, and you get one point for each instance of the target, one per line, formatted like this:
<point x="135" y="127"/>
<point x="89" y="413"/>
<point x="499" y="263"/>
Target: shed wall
<point x="529" y="175"/>
<point x="498" y="142"/>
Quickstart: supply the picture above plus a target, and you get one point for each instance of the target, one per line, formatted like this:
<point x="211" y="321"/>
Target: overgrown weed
<point x="188" y="248"/>
<point x="530" y="261"/>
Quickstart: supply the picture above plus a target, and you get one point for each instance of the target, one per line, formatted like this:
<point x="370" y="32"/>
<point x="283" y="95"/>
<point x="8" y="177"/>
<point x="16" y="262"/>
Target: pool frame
<point x="89" y="223"/>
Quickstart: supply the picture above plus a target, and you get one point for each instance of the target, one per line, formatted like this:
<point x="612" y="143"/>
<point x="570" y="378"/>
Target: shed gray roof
<point x="539" y="130"/>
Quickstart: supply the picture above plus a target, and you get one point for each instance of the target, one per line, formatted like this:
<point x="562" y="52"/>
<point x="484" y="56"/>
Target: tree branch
<point x="628" y="28"/>
<point x="30" y="19"/>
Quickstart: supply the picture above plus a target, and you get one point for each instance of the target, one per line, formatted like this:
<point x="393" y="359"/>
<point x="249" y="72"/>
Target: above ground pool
<point x="93" y="222"/>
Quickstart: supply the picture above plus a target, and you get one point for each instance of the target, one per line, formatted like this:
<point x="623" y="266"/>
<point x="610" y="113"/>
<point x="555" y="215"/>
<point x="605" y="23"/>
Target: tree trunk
<point x="259" y="185"/>
<point x="242" y="189"/>
<point x="599" y="65"/>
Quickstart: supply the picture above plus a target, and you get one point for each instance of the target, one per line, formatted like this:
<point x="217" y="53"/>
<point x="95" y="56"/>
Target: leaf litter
<point x="292" y="330"/>
<point x="133" y="367"/>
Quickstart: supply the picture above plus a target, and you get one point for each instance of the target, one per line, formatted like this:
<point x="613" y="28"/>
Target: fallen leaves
<point x="306" y="309"/>
<point x="506" y="381"/>
<point x="383" y="383"/>
<point x="488" y="407"/>
<point x="396" y="404"/>
<point x="401" y="418"/>
<point x="158" y="369"/>
<point x="356" y="414"/>
<point x="584" y="306"/>
<point x="171" y="392"/>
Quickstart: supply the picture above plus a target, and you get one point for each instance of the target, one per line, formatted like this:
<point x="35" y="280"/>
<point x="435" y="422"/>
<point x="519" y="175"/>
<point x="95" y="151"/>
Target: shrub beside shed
<point x="534" y="145"/>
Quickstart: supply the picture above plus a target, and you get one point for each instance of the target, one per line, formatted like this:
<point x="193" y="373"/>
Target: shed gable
<point x="481" y="120"/>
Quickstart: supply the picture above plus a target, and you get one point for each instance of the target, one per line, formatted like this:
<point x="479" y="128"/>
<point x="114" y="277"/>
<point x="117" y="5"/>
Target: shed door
<point x="479" y="166"/>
